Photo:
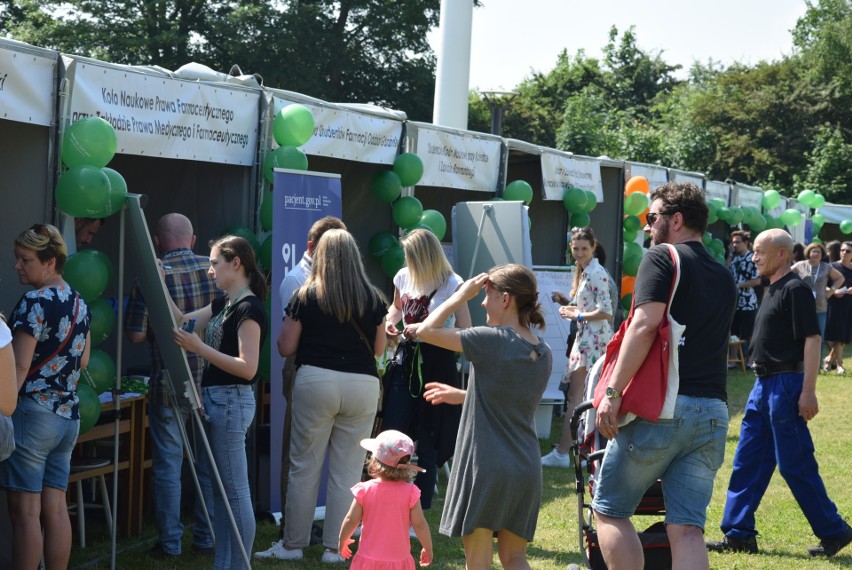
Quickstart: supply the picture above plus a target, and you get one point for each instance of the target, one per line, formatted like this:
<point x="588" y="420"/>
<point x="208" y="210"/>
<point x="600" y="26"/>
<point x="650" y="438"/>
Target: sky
<point x="513" y="38"/>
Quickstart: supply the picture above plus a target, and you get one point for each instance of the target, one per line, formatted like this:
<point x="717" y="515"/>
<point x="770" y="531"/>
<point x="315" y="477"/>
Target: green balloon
<point x="407" y="211"/>
<point x="591" y="201"/>
<point x="84" y="192"/>
<point x="100" y="372"/>
<point x="819" y="201"/>
<point x="284" y="157"/>
<point x="771" y="199"/>
<point x="386" y="186"/>
<point x="791" y="217"/>
<point x="758" y="223"/>
<point x="264" y="255"/>
<point x="434" y="220"/>
<point x="631" y="223"/>
<point x="88" y="273"/>
<point x="266" y="211"/>
<point x="519" y="190"/>
<point x="102" y="320"/>
<point x="631" y="265"/>
<point x="806" y="197"/>
<point x="626" y="301"/>
<point x="381" y="243"/>
<point x="580" y="220"/>
<point x="409" y="168"/>
<point x="293" y="125"/>
<point x="90" y="407"/>
<point x="717" y="246"/>
<point x="735" y="215"/>
<point x="635" y="204"/>
<point x="629" y="235"/>
<point x="818" y="219"/>
<point x="117" y="191"/>
<point x="632" y="249"/>
<point x="712" y="217"/>
<point x="90" y="141"/>
<point x="816" y="239"/>
<point x="574" y="200"/>
<point x="846" y="227"/>
<point x="724" y="213"/>
<point x="706" y="239"/>
<point x="393" y="261"/>
<point x="245" y="233"/>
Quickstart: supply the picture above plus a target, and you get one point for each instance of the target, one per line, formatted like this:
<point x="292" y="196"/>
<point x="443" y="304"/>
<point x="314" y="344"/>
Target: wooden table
<point x="132" y="424"/>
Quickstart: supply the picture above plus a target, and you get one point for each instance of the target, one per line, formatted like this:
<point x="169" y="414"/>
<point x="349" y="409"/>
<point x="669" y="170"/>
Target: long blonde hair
<point x="338" y="279"/>
<point x="427" y="264"/>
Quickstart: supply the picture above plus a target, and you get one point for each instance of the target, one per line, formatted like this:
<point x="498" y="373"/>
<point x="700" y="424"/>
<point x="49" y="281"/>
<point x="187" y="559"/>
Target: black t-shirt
<point x="704" y="303"/>
<point x="786" y="316"/>
<point x="246" y="308"/>
<point x="325" y="342"/>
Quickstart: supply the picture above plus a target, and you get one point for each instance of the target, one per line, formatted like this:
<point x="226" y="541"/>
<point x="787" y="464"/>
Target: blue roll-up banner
<point x="299" y="199"/>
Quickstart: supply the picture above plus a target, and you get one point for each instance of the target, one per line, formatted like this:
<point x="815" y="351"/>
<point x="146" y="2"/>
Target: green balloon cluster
<point x="635" y="204"/>
<point x="409" y="168"/>
<point x="90" y="407"/>
<point x="811" y="199"/>
<point x="791" y="217"/>
<point x="288" y="157"/>
<point x="117" y="192"/>
<point x="519" y="190"/>
<point x="90" y="141"/>
<point x="100" y="373"/>
<point x="434" y="221"/>
<point x="386" y="186"/>
<point x="293" y="125"/>
<point x="381" y="243"/>
<point x="88" y="272"/>
<point x="574" y="200"/>
<point x="102" y="320"/>
<point x="407" y="211"/>
<point x="83" y="192"/>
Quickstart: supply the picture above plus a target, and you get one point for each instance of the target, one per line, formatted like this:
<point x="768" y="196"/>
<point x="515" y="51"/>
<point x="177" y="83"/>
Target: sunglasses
<point x="651" y="217"/>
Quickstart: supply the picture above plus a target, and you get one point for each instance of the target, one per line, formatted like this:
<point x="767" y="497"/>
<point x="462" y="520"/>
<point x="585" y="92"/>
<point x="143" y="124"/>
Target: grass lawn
<point x="784" y="532"/>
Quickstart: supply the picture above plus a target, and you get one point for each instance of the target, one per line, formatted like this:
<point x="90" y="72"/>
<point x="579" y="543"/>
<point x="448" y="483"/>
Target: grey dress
<point x="496" y="476"/>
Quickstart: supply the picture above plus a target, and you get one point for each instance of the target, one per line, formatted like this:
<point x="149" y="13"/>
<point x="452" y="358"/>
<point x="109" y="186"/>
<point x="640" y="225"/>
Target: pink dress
<point x="384" y="542"/>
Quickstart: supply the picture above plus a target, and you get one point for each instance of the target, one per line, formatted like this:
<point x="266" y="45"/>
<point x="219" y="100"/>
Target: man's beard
<point x="662" y="232"/>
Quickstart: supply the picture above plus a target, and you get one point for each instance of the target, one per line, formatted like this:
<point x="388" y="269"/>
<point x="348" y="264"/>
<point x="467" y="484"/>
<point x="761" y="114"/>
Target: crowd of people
<point x="335" y="327"/>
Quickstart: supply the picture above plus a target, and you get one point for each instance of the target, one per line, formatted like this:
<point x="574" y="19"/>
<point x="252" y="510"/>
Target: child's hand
<point x="343" y="548"/>
<point x="425" y="557"/>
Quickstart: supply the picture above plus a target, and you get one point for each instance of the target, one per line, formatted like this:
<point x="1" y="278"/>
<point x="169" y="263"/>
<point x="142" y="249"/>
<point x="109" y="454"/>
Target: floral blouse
<point x="48" y="315"/>
<point x="592" y="336"/>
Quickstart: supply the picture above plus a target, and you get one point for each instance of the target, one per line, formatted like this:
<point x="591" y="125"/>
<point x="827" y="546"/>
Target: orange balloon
<point x="627" y="283"/>
<point x="637" y="184"/>
<point x="643" y="217"/>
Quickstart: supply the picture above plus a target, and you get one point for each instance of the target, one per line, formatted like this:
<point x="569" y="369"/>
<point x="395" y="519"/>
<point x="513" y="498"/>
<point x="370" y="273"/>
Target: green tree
<point x="829" y="167"/>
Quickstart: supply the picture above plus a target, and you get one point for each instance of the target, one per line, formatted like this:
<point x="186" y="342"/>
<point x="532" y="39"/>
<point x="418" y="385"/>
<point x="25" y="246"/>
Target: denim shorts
<point x="685" y="452"/>
<point x="43" y="445"/>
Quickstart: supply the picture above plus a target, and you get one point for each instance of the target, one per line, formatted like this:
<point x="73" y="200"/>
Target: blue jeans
<point x="168" y="453"/>
<point x="229" y="411"/>
<point x="773" y="433"/>
<point x="685" y="452"/>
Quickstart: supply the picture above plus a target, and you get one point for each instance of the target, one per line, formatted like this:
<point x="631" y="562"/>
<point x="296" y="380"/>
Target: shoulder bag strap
<point x="675" y="277"/>
<point x="64" y="342"/>
<point x="363" y="338"/>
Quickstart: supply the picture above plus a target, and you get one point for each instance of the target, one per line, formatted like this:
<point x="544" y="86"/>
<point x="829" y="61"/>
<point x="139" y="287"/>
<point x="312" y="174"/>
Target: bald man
<point x="785" y="352"/>
<point x="191" y="288"/>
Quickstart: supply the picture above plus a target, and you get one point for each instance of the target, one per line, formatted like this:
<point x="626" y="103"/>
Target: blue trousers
<point x="773" y="433"/>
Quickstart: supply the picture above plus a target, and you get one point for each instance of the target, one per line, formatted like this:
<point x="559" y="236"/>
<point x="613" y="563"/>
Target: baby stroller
<point x="587" y="449"/>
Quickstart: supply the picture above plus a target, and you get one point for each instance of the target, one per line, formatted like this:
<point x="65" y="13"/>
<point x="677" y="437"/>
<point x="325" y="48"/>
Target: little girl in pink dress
<point x="386" y="506"/>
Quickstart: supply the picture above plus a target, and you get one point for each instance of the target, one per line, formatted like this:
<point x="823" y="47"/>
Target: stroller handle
<point x="578" y="413"/>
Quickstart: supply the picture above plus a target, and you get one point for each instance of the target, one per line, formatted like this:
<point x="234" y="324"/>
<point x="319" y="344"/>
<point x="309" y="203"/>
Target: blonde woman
<point x="591" y="309"/>
<point x="50" y="328"/>
<point x="335" y="325"/>
<point x="420" y="288"/>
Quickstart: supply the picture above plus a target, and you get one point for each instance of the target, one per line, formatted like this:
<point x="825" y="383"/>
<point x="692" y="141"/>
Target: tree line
<point x="784" y="124"/>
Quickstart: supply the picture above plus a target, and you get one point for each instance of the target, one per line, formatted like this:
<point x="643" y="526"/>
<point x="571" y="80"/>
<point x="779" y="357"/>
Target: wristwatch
<point x="612" y="393"/>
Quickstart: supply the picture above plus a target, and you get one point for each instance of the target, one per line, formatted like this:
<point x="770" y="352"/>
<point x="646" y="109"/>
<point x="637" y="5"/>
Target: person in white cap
<point x="386" y="506"/>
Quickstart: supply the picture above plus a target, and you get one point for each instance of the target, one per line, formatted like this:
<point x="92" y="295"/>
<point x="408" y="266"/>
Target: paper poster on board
<point x="557" y="329"/>
<point x="27" y="87"/>
<point x="559" y="172"/>
<point x="656" y="175"/>
<point x="458" y="160"/>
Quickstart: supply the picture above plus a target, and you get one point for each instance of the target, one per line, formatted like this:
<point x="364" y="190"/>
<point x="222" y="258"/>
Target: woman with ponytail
<point x="233" y="328"/>
<point x="495" y="485"/>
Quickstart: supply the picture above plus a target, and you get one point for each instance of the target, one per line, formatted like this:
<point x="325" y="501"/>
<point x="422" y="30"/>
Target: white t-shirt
<point x="403" y="284"/>
<point x="5" y="334"/>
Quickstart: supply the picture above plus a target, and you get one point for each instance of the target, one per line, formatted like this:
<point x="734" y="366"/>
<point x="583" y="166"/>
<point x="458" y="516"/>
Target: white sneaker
<point x="278" y="552"/>
<point x="329" y="557"/>
<point x="556" y="459"/>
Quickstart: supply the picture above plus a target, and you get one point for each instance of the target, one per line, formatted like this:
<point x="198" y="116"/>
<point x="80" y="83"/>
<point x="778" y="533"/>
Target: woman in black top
<point x="335" y="326"/>
<point x="233" y="326"/>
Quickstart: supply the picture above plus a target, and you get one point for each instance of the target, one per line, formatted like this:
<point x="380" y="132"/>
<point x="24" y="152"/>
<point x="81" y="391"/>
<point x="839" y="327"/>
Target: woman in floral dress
<point x="591" y="309"/>
<point x="50" y="327"/>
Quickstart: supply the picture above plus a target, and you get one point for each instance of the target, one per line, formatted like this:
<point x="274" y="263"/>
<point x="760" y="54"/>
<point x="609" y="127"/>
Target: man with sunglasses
<point x="686" y="450"/>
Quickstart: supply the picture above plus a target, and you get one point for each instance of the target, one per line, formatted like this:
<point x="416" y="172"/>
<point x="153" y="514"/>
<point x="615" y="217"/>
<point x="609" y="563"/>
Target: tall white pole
<point x="453" y="74"/>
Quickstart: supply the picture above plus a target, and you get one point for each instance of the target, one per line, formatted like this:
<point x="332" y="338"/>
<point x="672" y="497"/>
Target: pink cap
<point x="390" y="447"/>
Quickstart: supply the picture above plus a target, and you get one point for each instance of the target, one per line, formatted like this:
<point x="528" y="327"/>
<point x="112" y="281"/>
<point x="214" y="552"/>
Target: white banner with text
<point x="559" y="172"/>
<point x="716" y="189"/>
<point x="26" y="87"/>
<point x="455" y="160"/>
<point x="168" y="118"/>
<point x="656" y="175"/>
